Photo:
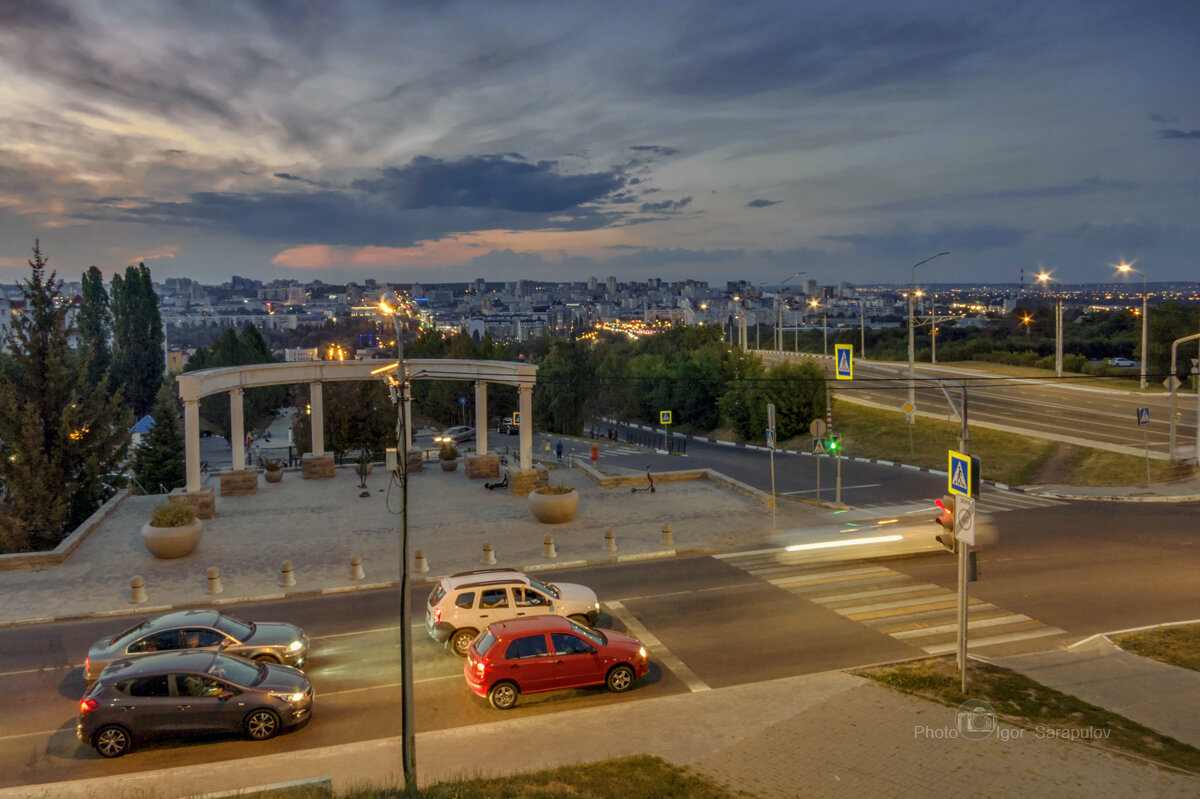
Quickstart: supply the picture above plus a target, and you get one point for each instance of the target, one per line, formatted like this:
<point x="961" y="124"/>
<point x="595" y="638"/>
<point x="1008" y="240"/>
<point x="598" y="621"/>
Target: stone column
<point x="316" y="419"/>
<point x="237" y="429"/>
<point x="525" y="403"/>
<point x="481" y="416"/>
<point x="191" y="443"/>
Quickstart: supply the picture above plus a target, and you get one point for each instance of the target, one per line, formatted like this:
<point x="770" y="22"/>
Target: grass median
<point x="1018" y="700"/>
<point x="1176" y="646"/>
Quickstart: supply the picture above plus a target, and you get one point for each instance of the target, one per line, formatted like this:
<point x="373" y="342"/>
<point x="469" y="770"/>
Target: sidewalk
<point x="826" y="734"/>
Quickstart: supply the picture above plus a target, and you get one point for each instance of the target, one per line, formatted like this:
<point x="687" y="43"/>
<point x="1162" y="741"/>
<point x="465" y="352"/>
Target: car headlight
<point x="288" y="697"/>
<point x="295" y="646"/>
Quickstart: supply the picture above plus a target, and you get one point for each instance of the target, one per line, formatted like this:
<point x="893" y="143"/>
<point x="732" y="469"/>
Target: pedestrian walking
<point x="558" y="448"/>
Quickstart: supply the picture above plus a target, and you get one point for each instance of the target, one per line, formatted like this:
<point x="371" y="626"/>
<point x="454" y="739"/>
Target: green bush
<point x="271" y="464"/>
<point x="448" y="452"/>
<point x="554" y="490"/>
<point x="172" y="516"/>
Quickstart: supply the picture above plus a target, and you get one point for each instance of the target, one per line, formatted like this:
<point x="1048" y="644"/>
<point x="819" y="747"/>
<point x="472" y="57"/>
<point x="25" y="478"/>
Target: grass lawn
<point x="1178" y="646"/>
<point x="1021" y="701"/>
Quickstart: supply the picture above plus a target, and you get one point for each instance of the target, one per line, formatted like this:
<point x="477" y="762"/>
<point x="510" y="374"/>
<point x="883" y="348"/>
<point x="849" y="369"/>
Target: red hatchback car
<point x="550" y="653"/>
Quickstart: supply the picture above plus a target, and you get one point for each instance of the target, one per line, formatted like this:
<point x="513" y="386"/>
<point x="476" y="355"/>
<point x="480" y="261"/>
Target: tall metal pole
<point x="1171" y="438"/>
<point x="933" y="330"/>
<point x="1058" y="338"/>
<point x="779" y="309"/>
<point x="912" y="374"/>
<point x="964" y="446"/>
<point x="407" y="724"/>
<point x="1145" y="333"/>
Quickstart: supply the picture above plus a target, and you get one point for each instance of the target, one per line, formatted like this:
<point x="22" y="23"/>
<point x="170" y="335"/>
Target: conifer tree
<point x="59" y="436"/>
<point x="138" y="360"/>
<point x="159" y="460"/>
<point x="95" y="323"/>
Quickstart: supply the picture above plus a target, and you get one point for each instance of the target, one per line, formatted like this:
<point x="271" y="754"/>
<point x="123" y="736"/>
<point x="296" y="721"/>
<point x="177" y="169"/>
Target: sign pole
<point x="771" y="447"/>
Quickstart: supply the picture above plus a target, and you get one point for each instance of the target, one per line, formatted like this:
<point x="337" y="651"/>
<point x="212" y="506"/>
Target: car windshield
<point x="237" y="671"/>
<point x="595" y="636"/>
<point x="135" y="628"/>
<point x="484" y="642"/>
<point x="233" y="627"/>
<point x="552" y="590"/>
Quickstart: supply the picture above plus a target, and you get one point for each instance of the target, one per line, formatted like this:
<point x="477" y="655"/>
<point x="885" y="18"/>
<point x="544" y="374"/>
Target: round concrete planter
<point x="449" y="465"/>
<point x="274" y="476"/>
<point x="168" y="543"/>
<point x="553" y="508"/>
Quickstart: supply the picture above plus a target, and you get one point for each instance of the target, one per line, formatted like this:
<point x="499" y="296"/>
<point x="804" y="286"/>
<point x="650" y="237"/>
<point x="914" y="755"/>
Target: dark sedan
<point x="270" y="641"/>
<point x="181" y="693"/>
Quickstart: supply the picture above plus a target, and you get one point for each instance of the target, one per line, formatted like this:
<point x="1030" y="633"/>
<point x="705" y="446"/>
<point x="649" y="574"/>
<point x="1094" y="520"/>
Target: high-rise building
<point x="610" y="284"/>
<point x="592" y="283"/>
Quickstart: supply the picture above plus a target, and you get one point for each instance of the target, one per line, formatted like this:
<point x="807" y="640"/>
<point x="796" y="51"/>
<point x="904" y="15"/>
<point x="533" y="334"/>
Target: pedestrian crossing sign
<point x="845" y="361"/>
<point x="964" y="475"/>
<point x="664" y="417"/>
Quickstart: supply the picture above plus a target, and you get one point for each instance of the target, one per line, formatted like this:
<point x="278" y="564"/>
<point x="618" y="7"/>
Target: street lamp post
<point x="1044" y="278"/>
<point x="912" y="372"/>
<point x="779" y="309"/>
<point x="1124" y="267"/>
<point x="407" y="725"/>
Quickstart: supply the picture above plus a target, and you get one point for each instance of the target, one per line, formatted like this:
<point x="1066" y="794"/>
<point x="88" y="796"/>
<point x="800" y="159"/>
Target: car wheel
<point x="579" y="618"/>
<point x="620" y="679"/>
<point x="460" y="642"/>
<point x="503" y="695"/>
<point x="265" y="658"/>
<point x="262" y="724"/>
<point x="112" y="741"/>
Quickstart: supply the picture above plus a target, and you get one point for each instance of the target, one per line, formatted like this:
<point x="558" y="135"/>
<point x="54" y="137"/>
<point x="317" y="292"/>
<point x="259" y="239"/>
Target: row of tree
<point x="72" y="380"/>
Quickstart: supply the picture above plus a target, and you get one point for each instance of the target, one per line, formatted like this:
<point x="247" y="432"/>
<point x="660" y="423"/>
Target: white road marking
<point x="664" y="655"/>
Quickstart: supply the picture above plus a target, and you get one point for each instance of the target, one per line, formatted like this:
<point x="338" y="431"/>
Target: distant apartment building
<point x="300" y="354"/>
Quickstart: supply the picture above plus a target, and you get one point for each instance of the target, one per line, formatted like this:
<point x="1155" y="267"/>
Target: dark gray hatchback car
<point x="270" y="641"/>
<point x="186" y="693"/>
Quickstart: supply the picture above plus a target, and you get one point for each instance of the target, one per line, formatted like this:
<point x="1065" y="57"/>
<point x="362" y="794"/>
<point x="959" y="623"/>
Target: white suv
<point x="463" y="604"/>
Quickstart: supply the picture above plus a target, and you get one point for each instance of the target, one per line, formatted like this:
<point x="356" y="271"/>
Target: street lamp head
<point x="1044" y="277"/>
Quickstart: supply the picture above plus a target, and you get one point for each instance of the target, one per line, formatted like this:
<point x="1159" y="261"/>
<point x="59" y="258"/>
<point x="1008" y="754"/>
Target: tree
<point x="159" y="459"/>
<point x="59" y="436"/>
<point x="232" y="349"/>
<point x="138" y="359"/>
<point x="95" y="323"/>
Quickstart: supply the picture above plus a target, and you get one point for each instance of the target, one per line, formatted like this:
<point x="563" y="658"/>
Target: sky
<point x="445" y="140"/>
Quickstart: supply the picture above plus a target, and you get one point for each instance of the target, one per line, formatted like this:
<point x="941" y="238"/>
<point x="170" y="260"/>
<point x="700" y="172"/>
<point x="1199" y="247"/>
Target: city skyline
<point x="444" y="142"/>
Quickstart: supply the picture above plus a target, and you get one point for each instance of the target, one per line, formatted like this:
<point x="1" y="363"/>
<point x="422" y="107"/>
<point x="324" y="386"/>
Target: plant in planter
<point x="449" y="457"/>
<point x="273" y="469"/>
<point x="172" y="532"/>
<point x="553" y="504"/>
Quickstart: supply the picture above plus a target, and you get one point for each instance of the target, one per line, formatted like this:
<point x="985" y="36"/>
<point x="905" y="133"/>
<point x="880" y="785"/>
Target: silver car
<point x="179" y="693"/>
<point x="270" y="641"/>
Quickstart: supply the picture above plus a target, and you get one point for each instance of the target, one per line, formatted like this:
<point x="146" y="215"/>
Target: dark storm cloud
<point x="489" y="181"/>
<point x="656" y="257"/>
<point x="655" y="149"/>
<point x="425" y="199"/>
<point x="666" y="206"/>
<point x="905" y="240"/>
<point x="32" y="14"/>
<point x="1179" y="134"/>
<point x="761" y="203"/>
<point x="963" y="198"/>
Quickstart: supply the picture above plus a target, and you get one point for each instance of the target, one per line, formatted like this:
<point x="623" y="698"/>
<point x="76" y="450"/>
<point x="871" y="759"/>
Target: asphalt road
<point x="1084" y="568"/>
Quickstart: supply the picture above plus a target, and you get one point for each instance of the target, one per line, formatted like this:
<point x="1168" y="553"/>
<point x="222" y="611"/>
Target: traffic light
<point x="946" y="520"/>
<point x="834" y="442"/>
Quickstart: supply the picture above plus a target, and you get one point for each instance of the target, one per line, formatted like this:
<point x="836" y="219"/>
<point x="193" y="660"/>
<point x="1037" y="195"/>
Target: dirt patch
<point x="1060" y="468"/>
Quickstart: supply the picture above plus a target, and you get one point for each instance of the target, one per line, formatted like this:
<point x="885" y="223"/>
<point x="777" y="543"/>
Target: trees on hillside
<point x="59" y="434"/>
<point x="237" y="349"/>
<point x="138" y="361"/>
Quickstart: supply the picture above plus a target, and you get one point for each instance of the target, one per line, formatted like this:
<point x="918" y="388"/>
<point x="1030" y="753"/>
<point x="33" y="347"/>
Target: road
<point x="1050" y="408"/>
<point x="1058" y="573"/>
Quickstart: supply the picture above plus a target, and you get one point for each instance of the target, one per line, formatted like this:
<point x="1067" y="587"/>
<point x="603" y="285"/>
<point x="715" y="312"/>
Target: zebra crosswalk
<point x="921" y="614"/>
<point x="992" y="501"/>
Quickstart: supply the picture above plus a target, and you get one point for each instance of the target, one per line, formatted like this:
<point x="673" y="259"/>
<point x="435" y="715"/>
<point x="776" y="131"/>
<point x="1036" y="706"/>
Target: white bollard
<point x="356" y="568"/>
<point x="610" y="541"/>
<point x="286" y="577"/>
<point x="420" y="565"/>
<point x="548" y="548"/>
<point x="668" y="538"/>
<point x="137" y="591"/>
<point x="214" y="581"/>
<point x="489" y="555"/>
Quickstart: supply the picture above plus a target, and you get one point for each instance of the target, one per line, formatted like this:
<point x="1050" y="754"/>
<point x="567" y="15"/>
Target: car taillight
<point x="87" y="704"/>
<point x="437" y="614"/>
<point x="480" y="667"/>
<point x="87" y="665"/>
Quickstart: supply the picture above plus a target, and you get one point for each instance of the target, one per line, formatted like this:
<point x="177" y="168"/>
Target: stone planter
<point x="274" y="476"/>
<point x="168" y="543"/>
<point x="553" y="508"/>
<point x="449" y="465"/>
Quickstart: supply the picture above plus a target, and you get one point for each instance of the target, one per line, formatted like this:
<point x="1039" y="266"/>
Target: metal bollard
<point x="137" y="591"/>
<point x="286" y="578"/>
<point x="610" y="541"/>
<point x="548" y="548"/>
<point x="489" y="555"/>
<point x="356" y="569"/>
<point x="420" y="565"/>
<point x="214" y="581"/>
<point x="668" y="538"/>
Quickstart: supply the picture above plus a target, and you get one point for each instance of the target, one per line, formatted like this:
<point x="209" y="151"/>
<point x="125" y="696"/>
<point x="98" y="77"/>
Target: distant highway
<point x="1060" y="410"/>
